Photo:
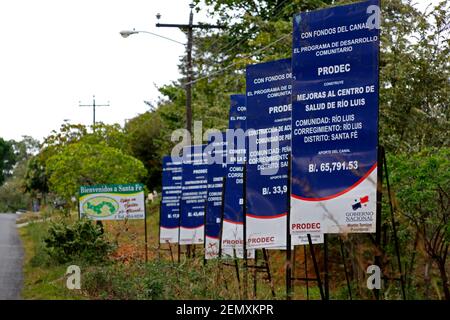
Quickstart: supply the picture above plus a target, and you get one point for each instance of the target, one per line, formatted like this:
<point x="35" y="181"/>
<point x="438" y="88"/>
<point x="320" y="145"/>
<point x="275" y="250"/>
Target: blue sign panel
<point x="335" y="119"/>
<point x="216" y="153"/>
<point x="170" y="201"/>
<point x="269" y="143"/>
<point x="232" y="234"/>
<point x="193" y="196"/>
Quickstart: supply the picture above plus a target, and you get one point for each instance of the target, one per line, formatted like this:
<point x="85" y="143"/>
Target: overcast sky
<point x="56" y="53"/>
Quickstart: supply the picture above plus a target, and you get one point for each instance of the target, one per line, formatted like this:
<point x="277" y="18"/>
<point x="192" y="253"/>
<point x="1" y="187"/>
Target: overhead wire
<point x="240" y="41"/>
<point x="228" y="47"/>
<point x="235" y="63"/>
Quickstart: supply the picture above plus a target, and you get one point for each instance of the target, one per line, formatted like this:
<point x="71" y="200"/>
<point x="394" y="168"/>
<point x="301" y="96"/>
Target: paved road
<point x="11" y="255"/>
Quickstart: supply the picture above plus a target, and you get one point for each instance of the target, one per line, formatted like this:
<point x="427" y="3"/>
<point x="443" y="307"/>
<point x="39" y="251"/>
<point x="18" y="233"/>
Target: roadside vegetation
<point x="112" y="264"/>
<point x="414" y="122"/>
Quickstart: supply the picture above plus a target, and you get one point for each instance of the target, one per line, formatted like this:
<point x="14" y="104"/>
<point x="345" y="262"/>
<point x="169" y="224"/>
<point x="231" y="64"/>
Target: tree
<point x="144" y="134"/>
<point x="12" y="197"/>
<point x="25" y="148"/>
<point x="422" y="184"/>
<point x="414" y="76"/>
<point x="112" y="135"/>
<point x="82" y="163"/>
<point x="36" y="178"/>
<point x="7" y="159"/>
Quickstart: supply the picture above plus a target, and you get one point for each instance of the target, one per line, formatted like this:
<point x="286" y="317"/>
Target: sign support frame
<point x="288" y="235"/>
<point x="204" y="225"/>
<point x="325" y="267"/>
<point x="347" y="279"/>
<point x="224" y="178"/>
<point x="221" y="264"/>
<point x="306" y="272"/>
<point x="145" y="231"/>
<point x="244" y="211"/>
<point x="179" y="232"/>
<point x="316" y="267"/>
<point x="394" y="227"/>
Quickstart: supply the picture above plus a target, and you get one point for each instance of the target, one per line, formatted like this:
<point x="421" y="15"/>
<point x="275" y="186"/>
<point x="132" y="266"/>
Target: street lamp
<point x="127" y="33"/>
<point x="189" y="28"/>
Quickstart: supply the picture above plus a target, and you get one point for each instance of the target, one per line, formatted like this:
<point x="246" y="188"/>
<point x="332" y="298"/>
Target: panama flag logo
<point x="359" y="203"/>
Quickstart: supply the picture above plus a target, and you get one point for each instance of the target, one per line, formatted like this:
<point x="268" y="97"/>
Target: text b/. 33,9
<point x="274" y="190"/>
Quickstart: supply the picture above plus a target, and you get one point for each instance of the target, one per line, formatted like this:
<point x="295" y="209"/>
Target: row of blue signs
<point x="320" y="107"/>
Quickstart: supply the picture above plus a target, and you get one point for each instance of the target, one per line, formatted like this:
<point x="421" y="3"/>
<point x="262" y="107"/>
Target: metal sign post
<point x="159" y="230"/>
<point x="394" y="227"/>
<point x="179" y="232"/>
<point x="325" y="266"/>
<point x="316" y="268"/>
<point x="288" y="235"/>
<point x="269" y="276"/>
<point x="349" y="289"/>
<point x="145" y="230"/>
<point x="221" y="215"/>
<point x="204" y="232"/>
<point x="244" y="185"/>
<point x="377" y="258"/>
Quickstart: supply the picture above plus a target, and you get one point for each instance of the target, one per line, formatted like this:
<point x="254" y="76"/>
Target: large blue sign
<point x="193" y="198"/>
<point x="232" y="234"/>
<point x="217" y="170"/>
<point x="269" y="144"/>
<point x="335" y="119"/>
<point x="170" y="201"/>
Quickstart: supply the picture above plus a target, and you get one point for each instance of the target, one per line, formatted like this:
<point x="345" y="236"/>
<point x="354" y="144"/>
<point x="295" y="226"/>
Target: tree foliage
<point x="36" y="176"/>
<point x="422" y="185"/>
<point x="15" y="160"/>
<point x="145" y="141"/>
<point x="82" y="163"/>
<point x="7" y="159"/>
<point x="12" y="197"/>
<point x="415" y="76"/>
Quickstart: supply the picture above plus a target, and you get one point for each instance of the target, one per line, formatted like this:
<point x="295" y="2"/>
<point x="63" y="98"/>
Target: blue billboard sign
<point x="193" y="197"/>
<point x="170" y="200"/>
<point x="335" y="119"/>
<point x="217" y="170"/>
<point x="232" y="232"/>
<point x="269" y="144"/>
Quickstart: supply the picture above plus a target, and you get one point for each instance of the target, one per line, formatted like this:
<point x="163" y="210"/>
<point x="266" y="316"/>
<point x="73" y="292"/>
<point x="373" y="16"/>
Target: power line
<point x="249" y="34"/>
<point x="189" y="28"/>
<point x="228" y="47"/>
<point x="235" y="63"/>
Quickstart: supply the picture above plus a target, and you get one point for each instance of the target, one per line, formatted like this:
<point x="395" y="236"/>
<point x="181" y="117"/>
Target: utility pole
<point x="93" y="105"/>
<point x="189" y="27"/>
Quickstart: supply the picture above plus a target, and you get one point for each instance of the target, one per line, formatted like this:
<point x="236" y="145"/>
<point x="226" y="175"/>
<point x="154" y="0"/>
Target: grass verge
<point x="42" y="280"/>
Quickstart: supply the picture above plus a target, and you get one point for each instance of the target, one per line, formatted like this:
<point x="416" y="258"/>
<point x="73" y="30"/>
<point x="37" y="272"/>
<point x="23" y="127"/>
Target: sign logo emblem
<point x="360" y="202"/>
<point x="100" y="206"/>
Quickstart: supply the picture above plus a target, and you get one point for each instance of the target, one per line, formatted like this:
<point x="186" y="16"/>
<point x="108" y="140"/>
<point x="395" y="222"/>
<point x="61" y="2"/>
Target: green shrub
<point x="81" y="240"/>
<point x="12" y="197"/>
<point x="156" y="280"/>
